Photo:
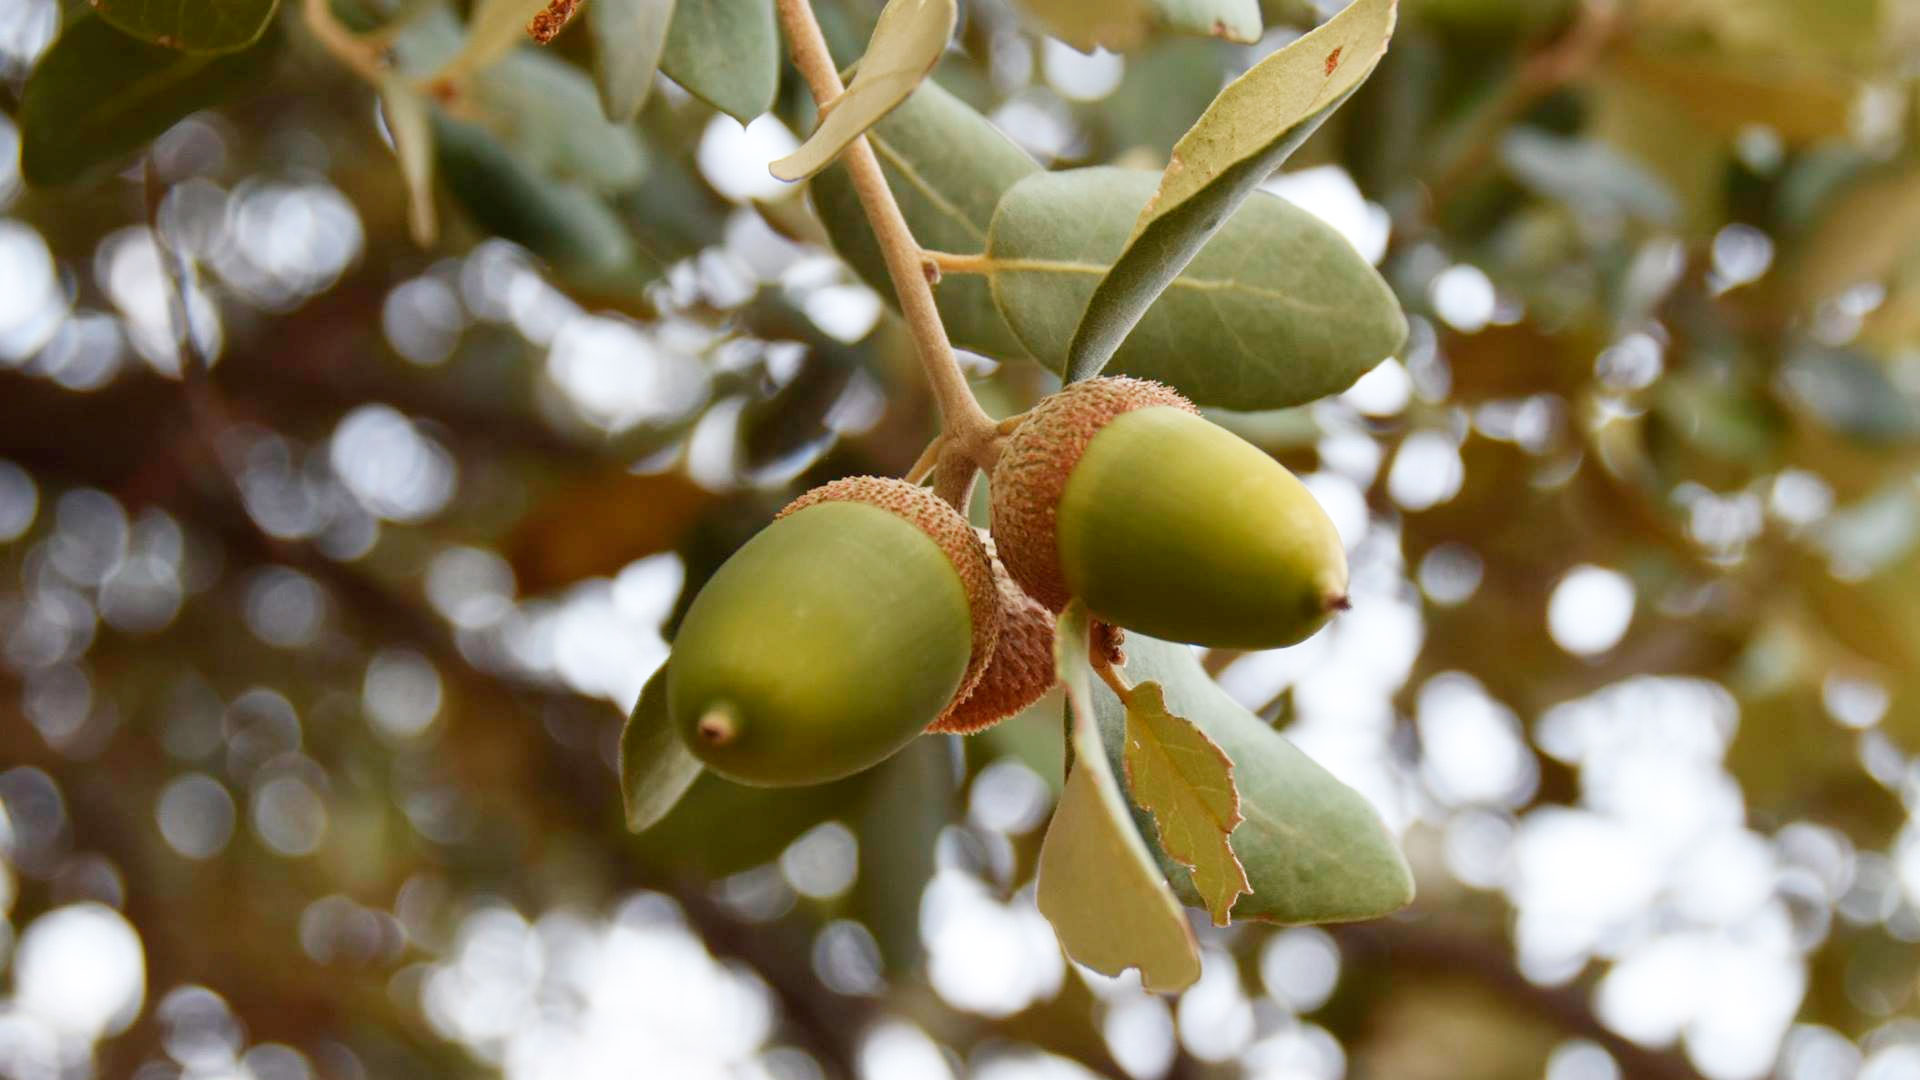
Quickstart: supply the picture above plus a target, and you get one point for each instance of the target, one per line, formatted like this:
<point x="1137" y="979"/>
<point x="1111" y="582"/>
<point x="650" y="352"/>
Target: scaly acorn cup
<point x="834" y="636"/>
<point x="1021" y="668"/>
<point x="1116" y="491"/>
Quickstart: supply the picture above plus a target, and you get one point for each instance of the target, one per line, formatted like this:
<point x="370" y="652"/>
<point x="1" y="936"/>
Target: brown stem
<point x="966" y="424"/>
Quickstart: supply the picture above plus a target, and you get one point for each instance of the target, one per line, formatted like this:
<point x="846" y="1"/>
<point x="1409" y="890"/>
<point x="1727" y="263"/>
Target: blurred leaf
<point x="656" y="768"/>
<point x="410" y="120"/>
<point x="561" y="222"/>
<point x="1586" y="174"/>
<point x="720" y="828"/>
<point x="1163" y="89"/>
<point x="1185" y="781"/>
<point x="1277" y="310"/>
<point x="910" y="800"/>
<point x="907" y="42"/>
<point x="1728" y="92"/>
<point x="1251" y="127"/>
<point x="947" y="166"/>
<point x="99" y="94"/>
<point x="1124" y="24"/>
<point x="1852" y="395"/>
<point x="629" y="37"/>
<point x="1863" y="232"/>
<point x="492" y="31"/>
<point x="726" y="53"/>
<point x="1097" y="882"/>
<point x="595" y="526"/>
<point x="548" y="111"/>
<point x="193" y="26"/>
<point x="1314" y="849"/>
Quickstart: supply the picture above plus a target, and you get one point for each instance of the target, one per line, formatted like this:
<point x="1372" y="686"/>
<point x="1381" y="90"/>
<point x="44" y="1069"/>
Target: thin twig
<point x="970" y="428"/>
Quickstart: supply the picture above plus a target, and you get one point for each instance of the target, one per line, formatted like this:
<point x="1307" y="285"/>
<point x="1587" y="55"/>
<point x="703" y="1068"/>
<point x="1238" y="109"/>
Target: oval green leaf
<point x="947" y="166"/>
<point x="656" y="768"/>
<point x="548" y="111"/>
<point x="629" y="37"/>
<point x="907" y="41"/>
<point x="726" y="53"/>
<point x="1314" y="849"/>
<point x="1276" y="310"/>
<point x="1097" y="881"/>
<point x="564" y="223"/>
<point x="192" y="26"/>
<point x="1251" y="127"/>
<point x="99" y="94"/>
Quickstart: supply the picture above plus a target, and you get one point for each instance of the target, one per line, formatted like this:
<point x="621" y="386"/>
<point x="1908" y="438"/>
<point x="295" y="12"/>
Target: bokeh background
<point x="312" y="668"/>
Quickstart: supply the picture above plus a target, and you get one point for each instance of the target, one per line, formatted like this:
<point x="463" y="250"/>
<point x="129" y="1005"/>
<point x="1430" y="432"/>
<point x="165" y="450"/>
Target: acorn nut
<point x="1116" y="491"/>
<point x="834" y="636"/>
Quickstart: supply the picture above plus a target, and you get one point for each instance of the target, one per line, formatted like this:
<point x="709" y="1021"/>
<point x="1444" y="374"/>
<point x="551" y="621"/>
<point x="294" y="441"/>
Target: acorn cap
<point x="1021" y="668"/>
<point x="944" y="525"/>
<point x="1031" y="476"/>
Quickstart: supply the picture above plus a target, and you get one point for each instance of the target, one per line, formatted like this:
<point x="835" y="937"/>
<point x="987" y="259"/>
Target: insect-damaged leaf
<point x="1185" y="781"/>
<point x="1097" y="881"/>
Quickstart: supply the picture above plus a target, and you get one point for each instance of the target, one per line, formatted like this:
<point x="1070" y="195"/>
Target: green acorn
<point x="834" y="636"/>
<point x="1116" y="491"/>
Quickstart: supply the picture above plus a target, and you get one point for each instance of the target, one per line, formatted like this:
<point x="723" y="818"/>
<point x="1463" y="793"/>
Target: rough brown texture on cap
<point x="925" y="511"/>
<point x="1021" y="668"/>
<point x="1032" y="473"/>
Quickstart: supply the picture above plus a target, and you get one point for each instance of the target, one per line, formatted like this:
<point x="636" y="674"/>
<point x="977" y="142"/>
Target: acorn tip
<point x="718" y="725"/>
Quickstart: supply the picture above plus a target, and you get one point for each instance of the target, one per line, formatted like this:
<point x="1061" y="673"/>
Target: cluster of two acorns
<point x="870" y="611"/>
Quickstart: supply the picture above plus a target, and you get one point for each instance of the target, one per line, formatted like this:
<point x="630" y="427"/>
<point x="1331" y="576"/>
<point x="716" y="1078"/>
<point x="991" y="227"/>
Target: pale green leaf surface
<point x="656" y="768"/>
<point x="907" y="42"/>
<point x="1124" y="24"/>
<point x="410" y="120"/>
<point x="562" y="222"/>
<point x="548" y="110"/>
<point x="947" y="166"/>
<point x="494" y="29"/>
<point x="629" y="37"/>
<point x="1314" y="849"/>
<point x="194" y="26"/>
<point x="1097" y="882"/>
<point x="1251" y="127"/>
<point x="1276" y="310"/>
<point x="98" y="94"/>
<point x="726" y="53"/>
<point x="1185" y="782"/>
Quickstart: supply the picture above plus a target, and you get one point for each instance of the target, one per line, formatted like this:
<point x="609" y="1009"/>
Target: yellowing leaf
<point x="656" y="768"/>
<point x="1185" y="781"/>
<point x="1255" y="123"/>
<point x="1097" y="882"/>
<point x="410" y="120"/>
<point x="907" y="42"/>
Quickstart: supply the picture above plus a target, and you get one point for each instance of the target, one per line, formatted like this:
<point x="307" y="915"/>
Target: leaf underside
<point x="1097" y="882"/>
<point x="907" y="42"/>
<point x="656" y="768"/>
